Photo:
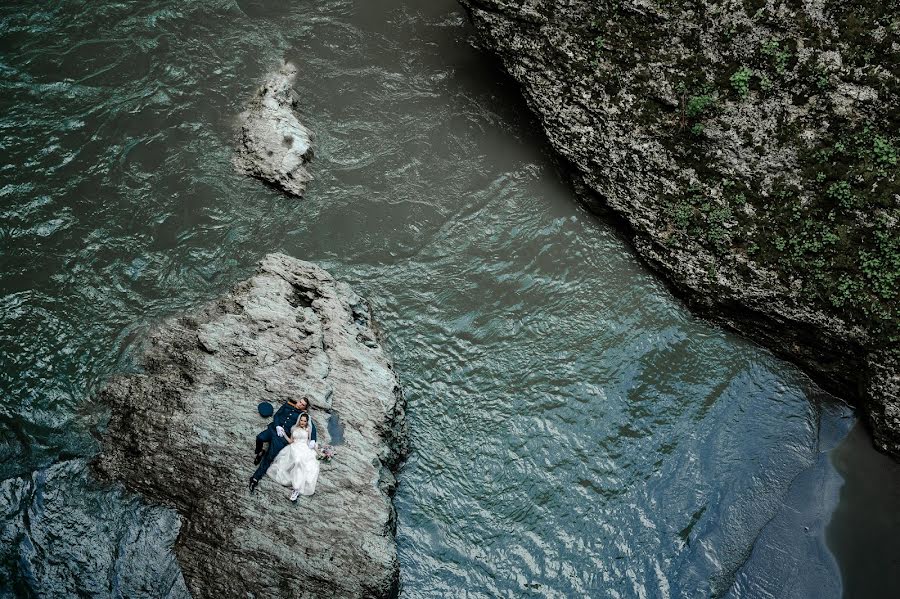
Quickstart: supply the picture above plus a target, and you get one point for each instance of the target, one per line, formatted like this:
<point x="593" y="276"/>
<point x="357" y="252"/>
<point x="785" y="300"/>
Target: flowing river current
<point x="574" y="430"/>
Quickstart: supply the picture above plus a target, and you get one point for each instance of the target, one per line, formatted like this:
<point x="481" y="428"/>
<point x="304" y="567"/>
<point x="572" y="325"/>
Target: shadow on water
<point x="863" y="533"/>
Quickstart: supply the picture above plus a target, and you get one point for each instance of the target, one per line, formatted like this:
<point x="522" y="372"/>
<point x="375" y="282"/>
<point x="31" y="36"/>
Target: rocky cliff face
<point x="182" y="432"/>
<point x="272" y="144"/>
<point x="751" y="150"/>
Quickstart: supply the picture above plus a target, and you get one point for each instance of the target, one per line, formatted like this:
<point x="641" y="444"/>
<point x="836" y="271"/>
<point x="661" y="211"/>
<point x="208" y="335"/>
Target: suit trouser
<point x="276" y="444"/>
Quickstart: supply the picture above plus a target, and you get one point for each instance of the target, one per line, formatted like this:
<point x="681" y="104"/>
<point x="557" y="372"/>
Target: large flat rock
<point x="182" y="432"/>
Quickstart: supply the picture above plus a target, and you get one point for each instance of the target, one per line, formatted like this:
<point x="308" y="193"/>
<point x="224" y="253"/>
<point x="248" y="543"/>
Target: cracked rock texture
<point x="750" y="152"/>
<point x="68" y="538"/>
<point x="272" y="143"/>
<point x="182" y="431"/>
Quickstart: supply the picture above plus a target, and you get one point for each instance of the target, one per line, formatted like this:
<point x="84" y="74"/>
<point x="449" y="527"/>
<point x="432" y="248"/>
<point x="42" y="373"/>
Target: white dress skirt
<point x="296" y="465"/>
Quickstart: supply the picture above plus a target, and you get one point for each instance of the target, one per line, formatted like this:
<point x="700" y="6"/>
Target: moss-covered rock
<point x="751" y="146"/>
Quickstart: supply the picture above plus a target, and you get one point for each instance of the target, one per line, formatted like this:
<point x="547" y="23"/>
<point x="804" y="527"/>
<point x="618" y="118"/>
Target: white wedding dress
<point x="296" y="465"/>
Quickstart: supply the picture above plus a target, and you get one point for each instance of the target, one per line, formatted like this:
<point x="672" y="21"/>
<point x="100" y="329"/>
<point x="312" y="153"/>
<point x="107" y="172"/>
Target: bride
<point x="296" y="465"/>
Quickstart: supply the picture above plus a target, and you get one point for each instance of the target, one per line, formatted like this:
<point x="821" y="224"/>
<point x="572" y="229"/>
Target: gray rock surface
<point x="729" y="191"/>
<point x="64" y="536"/>
<point x="182" y="431"/>
<point x="272" y="143"/>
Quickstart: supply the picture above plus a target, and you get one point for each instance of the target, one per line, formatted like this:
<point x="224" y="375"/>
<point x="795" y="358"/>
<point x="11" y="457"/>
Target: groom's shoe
<point x="253" y="483"/>
<point x="258" y="458"/>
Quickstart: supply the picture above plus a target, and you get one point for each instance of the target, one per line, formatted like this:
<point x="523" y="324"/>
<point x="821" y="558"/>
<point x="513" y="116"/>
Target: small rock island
<point x="182" y="431"/>
<point x="273" y="145"/>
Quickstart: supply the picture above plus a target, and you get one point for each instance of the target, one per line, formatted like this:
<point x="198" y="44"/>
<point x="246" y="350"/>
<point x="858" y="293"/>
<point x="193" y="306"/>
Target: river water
<point x="574" y="430"/>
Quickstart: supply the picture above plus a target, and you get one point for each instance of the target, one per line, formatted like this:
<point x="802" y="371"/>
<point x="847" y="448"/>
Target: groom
<point x="285" y="418"/>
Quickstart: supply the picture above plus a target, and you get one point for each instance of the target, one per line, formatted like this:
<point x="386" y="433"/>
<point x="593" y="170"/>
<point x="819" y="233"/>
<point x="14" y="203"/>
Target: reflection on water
<point x="574" y="430"/>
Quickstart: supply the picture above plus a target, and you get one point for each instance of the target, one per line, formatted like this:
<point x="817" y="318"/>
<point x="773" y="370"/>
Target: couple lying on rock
<point x="293" y="431"/>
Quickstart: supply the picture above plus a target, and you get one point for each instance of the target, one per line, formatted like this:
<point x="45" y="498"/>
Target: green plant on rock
<point x="740" y="81"/>
<point x="882" y="265"/>
<point x="711" y="272"/>
<point x="698" y="105"/>
<point x="684" y="214"/>
<point x="884" y="151"/>
<point x="779" y="58"/>
<point x="842" y="193"/>
<point x="714" y="230"/>
<point x="844" y="290"/>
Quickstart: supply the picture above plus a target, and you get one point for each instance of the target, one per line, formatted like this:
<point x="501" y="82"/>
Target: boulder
<point x="182" y="430"/>
<point x="272" y="143"/>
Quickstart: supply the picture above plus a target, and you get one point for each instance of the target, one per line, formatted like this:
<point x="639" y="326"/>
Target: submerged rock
<point x="182" y="434"/>
<point x="749" y="150"/>
<point x="272" y="144"/>
<point x="63" y="536"/>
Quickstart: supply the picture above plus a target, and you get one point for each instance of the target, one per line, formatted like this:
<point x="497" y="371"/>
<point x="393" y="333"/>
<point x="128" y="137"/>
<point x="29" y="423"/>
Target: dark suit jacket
<point x="286" y="417"/>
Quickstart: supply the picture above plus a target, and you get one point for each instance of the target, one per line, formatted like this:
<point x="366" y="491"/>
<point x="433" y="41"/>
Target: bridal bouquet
<point x="326" y="453"/>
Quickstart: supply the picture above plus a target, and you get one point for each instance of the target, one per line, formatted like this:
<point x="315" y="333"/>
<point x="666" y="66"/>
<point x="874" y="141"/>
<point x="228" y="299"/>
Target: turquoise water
<point x="575" y="431"/>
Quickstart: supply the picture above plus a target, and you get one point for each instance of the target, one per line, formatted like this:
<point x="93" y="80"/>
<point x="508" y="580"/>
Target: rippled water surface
<point x="575" y="431"/>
